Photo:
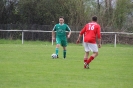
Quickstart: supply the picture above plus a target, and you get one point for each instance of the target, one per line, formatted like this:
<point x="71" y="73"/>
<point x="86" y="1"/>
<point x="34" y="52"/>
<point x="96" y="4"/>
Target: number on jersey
<point x="91" y="27"/>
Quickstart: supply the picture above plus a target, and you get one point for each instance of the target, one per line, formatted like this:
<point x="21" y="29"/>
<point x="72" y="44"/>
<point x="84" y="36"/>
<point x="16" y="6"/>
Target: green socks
<point x="56" y="51"/>
<point x="64" y="53"/>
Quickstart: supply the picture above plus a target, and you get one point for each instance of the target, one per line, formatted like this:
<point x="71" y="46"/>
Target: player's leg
<point x="58" y="42"/>
<point x="64" y="45"/>
<point x="87" y="49"/>
<point x="94" y="49"/>
<point x="64" y="52"/>
<point x="57" y="50"/>
<point x="85" y="58"/>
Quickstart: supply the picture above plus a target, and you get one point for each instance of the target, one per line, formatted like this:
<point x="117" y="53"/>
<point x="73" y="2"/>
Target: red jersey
<point x="91" y="31"/>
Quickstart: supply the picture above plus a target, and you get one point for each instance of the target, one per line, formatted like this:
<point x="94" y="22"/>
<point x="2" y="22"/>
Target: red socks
<point x="85" y="60"/>
<point x="90" y="59"/>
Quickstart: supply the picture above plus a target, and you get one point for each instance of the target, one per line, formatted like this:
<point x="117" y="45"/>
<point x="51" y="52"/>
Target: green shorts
<point x="62" y="42"/>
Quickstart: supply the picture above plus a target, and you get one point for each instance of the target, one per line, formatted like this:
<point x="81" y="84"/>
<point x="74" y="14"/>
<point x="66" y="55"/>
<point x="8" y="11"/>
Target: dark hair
<point x="94" y="18"/>
<point x="61" y="17"/>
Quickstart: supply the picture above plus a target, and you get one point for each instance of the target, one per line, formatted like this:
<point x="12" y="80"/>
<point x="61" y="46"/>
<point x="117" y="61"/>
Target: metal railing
<point x="23" y="32"/>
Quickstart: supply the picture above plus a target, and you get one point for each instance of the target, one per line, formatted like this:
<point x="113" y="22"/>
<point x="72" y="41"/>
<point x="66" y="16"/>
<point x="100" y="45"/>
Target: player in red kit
<point x="91" y="33"/>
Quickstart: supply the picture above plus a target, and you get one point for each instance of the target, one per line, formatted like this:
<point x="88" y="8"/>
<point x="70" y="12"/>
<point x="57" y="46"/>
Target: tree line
<point x="114" y="15"/>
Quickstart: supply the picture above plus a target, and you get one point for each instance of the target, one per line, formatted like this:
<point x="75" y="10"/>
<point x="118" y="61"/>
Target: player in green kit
<point x="61" y="36"/>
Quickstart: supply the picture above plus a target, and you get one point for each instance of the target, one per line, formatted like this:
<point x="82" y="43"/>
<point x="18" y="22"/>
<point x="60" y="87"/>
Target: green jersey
<point x="61" y="30"/>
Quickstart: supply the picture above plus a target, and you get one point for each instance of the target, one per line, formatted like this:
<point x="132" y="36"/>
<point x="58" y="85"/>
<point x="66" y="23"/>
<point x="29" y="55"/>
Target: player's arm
<point x="69" y="34"/>
<point x="99" y="43"/>
<point x="53" y="33"/>
<point x="99" y="36"/>
<point x="79" y="37"/>
<point x="81" y="34"/>
<point x="69" y="31"/>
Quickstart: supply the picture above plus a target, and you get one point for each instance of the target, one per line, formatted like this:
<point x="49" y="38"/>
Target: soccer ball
<point x="54" y="56"/>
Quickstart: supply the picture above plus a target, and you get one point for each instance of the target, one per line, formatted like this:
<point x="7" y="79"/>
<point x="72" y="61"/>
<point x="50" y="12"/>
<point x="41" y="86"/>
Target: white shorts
<point x="90" y="47"/>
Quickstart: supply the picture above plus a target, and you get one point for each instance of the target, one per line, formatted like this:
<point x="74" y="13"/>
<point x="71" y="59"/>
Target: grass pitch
<point x="31" y="66"/>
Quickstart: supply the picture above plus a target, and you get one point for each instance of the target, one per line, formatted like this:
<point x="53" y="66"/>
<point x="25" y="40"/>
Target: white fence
<point x="23" y="31"/>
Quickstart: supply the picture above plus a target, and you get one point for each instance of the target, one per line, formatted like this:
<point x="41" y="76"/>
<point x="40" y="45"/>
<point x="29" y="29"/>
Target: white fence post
<point x="52" y="42"/>
<point x="115" y="41"/>
<point x="22" y="37"/>
<point x="83" y="40"/>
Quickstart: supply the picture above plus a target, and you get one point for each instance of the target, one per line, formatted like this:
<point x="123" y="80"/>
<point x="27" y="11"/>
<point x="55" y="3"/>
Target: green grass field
<point x="30" y="66"/>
